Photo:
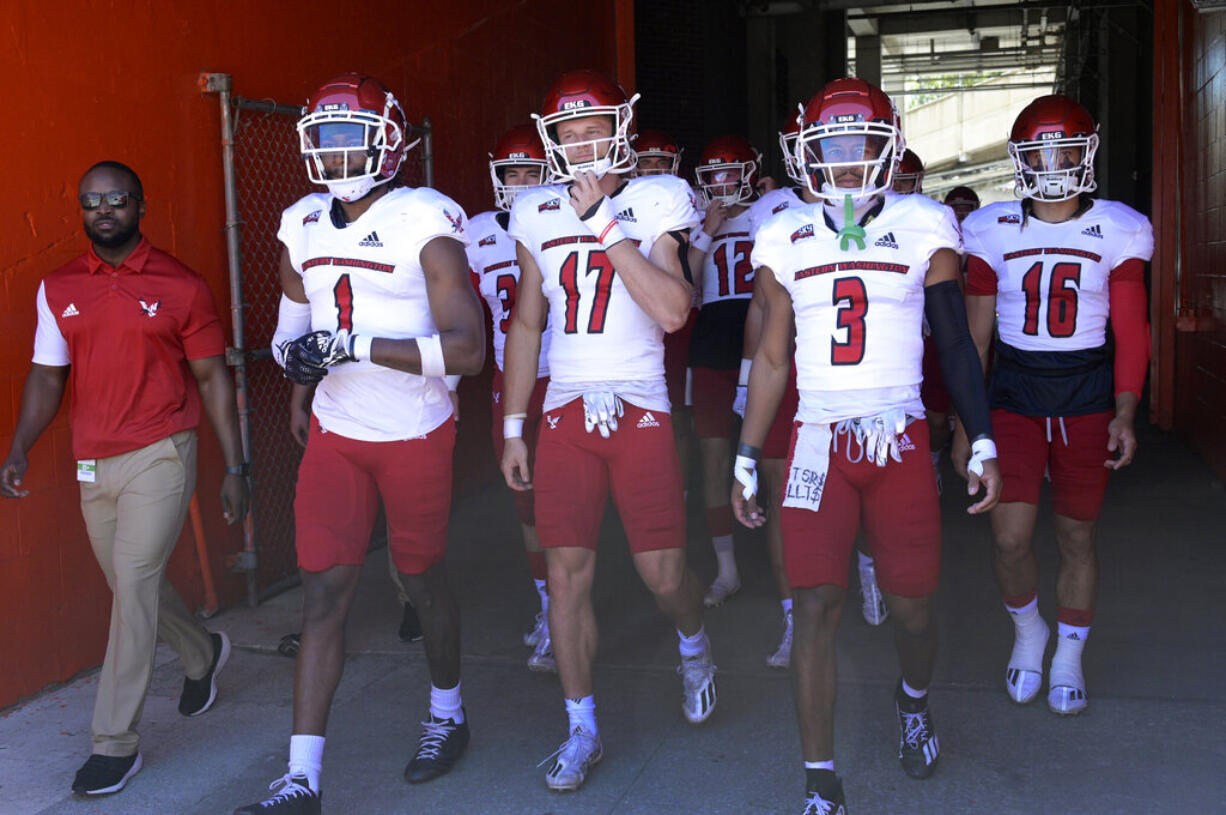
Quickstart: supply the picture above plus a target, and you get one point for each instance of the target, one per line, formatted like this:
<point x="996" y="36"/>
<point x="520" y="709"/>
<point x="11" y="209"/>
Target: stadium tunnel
<point x="1152" y="73"/>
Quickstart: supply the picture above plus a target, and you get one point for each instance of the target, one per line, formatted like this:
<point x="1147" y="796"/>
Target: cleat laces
<point x="289" y="790"/>
<point x="432" y="738"/>
<point x="915" y="728"/>
<point x="817" y="805"/>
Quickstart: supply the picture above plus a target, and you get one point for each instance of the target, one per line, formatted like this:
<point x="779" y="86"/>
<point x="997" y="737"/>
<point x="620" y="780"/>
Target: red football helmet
<point x="849" y="128"/>
<point x="963" y="201"/>
<point x="727" y="171"/>
<point x="352" y="135"/>
<point x="788" y="137"/>
<point x="580" y="94"/>
<point x="1052" y="146"/>
<point x="519" y="147"/>
<point x="909" y="177"/>
<point x="656" y="144"/>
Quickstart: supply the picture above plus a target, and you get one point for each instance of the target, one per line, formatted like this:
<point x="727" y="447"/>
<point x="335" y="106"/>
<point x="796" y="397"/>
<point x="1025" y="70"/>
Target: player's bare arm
<point x="768" y="379"/>
<point x="456" y="312"/>
<point x="522" y="356"/>
<point x="657" y="283"/>
<point x="945" y="307"/>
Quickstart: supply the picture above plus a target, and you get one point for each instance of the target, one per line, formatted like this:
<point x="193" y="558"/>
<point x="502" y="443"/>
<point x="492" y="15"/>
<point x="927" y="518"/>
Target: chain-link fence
<point x="269" y="176"/>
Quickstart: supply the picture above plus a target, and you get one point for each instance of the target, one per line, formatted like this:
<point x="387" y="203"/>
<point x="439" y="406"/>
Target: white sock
<point x="913" y="692"/>
<point x="787" y="607"/>
<point x="820" y="765"/>
<point x="725" y="557"/>
<point x="306" y="757"/>
<point x="695" y="645"/>
<point x="544" y="595"/>
<point x="1030" y="637"/>
<point x="445" y="703"/>
<point x="1066" y="663"/>
<point x="582" y="713"/>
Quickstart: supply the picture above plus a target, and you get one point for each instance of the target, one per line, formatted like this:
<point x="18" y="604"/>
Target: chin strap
<point x="851" y="230"/>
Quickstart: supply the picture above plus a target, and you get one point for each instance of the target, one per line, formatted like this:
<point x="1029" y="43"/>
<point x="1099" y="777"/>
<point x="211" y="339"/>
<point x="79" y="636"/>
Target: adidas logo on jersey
<point x="886" y="240"/>
<point x="627" y="215"/>
<point x="1093" y="231"/>
<point x="71" y="311"/>
<point x="647" y="420"/>
<point x="371" y="240"/>
<point x="488" y="240"/>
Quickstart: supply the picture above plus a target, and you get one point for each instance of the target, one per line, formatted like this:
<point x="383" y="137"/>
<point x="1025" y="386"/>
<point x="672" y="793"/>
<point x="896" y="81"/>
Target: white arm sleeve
<point x="50" y="347"/>
<point x="293" y="320"/>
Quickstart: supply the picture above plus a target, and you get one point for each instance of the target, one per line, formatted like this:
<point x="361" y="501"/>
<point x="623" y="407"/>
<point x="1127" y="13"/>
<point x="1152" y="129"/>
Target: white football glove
<point x="600" y="411"/>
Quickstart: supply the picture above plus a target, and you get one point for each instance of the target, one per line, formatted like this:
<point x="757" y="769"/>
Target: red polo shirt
<point x="128" y="333"/>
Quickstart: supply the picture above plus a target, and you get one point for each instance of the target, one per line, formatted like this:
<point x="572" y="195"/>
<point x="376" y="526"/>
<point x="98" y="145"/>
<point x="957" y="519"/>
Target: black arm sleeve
<point x="683" y="252"/>
<point x="946" y="311"/>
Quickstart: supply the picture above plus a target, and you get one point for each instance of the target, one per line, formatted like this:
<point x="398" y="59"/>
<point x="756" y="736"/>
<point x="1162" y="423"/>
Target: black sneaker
<point x="410" y="626"/>
<point x="290" y="645"/>
<point x="103" y="775"/>
<point x="918" y="748"/>
<point x="824" y="794"/>
<point x="199" y="694"/>
<point x="442" y="743"/>
<point x="292" y="795"/>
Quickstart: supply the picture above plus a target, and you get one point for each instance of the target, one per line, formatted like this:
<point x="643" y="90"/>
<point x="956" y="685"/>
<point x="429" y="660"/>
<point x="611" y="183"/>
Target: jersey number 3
<point x="598" y="262"/>
<point x="851" y="300"/>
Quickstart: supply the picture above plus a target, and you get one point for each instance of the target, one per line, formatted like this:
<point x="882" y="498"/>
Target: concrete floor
<point x="1151" y="742"/>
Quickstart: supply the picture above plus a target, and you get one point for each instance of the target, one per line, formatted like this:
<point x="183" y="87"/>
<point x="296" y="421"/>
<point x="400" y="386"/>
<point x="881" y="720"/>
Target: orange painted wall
<point x="117" y="79"/>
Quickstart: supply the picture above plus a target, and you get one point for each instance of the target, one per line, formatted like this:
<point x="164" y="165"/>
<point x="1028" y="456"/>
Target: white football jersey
<point x="599" y="334"/>
<point x="367" y="278"/>
<point x="858" y="312"/>
<point x="491" y="255"/>
<point x="727" y="273"/>
<point x="774" y="202"/>
<point x="1052" y="289"/>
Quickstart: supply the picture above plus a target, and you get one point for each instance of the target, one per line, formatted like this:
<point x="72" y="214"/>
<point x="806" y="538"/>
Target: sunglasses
<point x="116" y="199"/>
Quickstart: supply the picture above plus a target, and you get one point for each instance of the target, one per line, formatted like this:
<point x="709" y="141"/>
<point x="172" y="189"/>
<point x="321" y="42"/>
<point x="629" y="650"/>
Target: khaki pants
<point x="134" y="513"/>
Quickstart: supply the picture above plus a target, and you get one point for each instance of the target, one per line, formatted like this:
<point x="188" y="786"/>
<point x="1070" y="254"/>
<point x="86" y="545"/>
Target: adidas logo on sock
<point x="71" y="311"/>
<point x="371" y="240"/>
<point x="647" y="420"/>
<point x="1093" y="231"/>
<point x="886" y="240"/>
<point x="1073" y="636"/>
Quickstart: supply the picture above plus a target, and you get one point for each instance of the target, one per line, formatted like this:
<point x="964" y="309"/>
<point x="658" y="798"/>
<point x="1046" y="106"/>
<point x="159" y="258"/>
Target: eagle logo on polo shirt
<point x="150" y="309"/>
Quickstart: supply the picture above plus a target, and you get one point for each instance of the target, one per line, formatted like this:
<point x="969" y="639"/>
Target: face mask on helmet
<point x="1054" y="167"/>
<point x="728" y="183"/>
<point x="352" y="150"/>
<point x="856" y="160"/>
<point x="656" y="162"/>
<point x="589" y="139"/>
<point x="515" y="174"/>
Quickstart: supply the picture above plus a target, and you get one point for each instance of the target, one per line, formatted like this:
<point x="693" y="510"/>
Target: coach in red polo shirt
<point x="138" y="335"/>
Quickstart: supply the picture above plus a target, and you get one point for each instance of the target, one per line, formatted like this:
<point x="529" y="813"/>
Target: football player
<point x="909" y="178"/>
<point x="1053" y="270"/>
<point x="376" y="309"/>
<point x="775" y="447"/>
<point x="657" y="153"/>
<point x="963" y="201"/>
<point x="605" y="259"/>
<point x="726" y="175"/>
<point x="516" y="165"/>
<point x="853" y="276"/>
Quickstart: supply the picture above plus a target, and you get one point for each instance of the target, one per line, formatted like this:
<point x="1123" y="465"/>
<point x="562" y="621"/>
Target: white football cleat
<point x="697" y="687"/>
<point x="539" y="627"/>
<point x="541" y="660"/>
<point x="782" y="658"/>
<point x="573" y="760"/>
<point x="720" y="591"/>
<point x="1024" y="676"/>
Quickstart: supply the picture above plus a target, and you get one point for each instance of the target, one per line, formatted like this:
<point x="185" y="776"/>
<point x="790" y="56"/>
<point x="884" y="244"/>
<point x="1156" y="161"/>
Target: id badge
<point x="87" y="470"/>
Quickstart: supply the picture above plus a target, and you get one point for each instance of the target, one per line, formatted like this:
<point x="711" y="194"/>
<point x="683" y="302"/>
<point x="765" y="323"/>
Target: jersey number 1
<point x="598" y="262"/>
<point x="342" y="293"/>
